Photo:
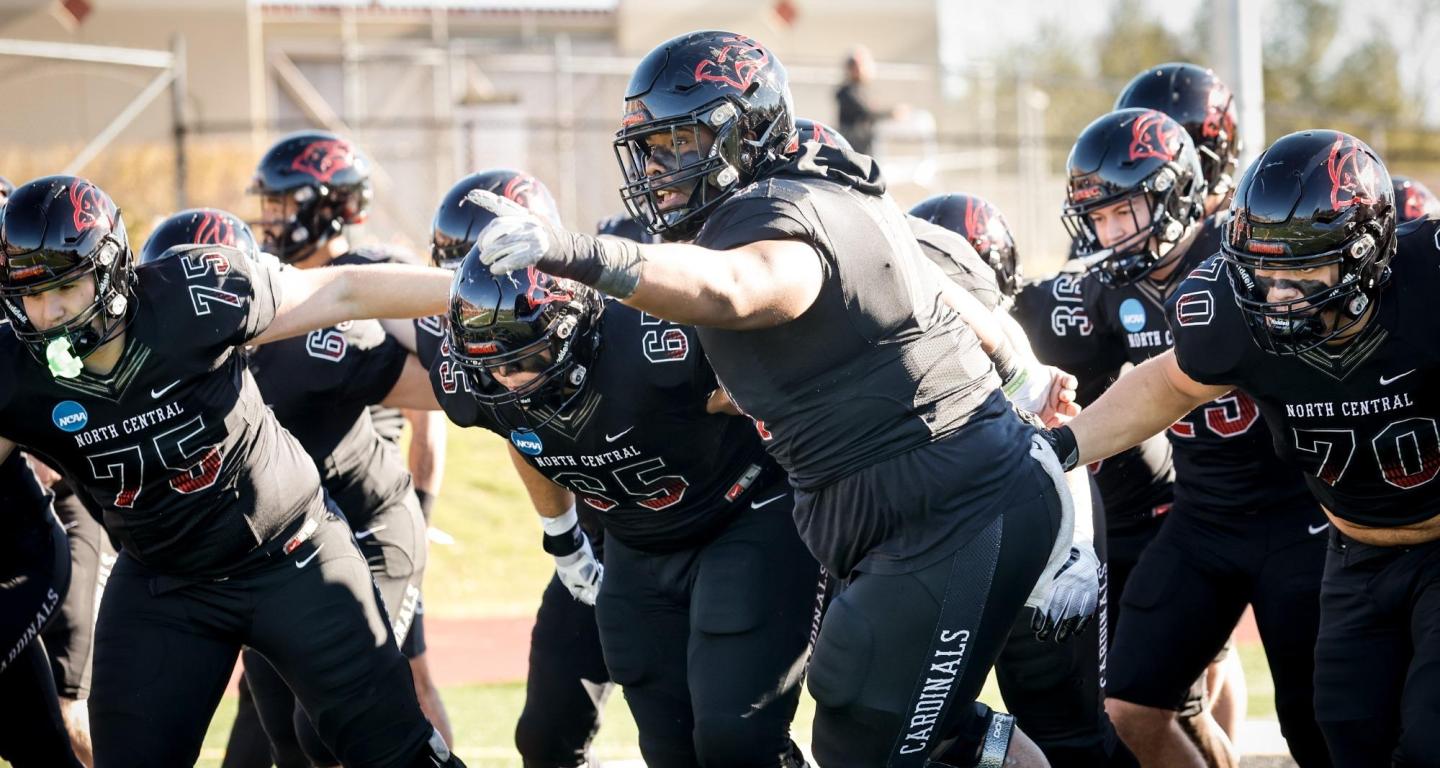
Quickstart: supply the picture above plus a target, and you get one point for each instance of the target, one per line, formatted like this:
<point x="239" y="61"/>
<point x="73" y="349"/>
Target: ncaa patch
<point x="1132" y="315"/>
<point x="527" y="442"/>
<point x="70" y="416"/>
<point x="1195" y="308"/>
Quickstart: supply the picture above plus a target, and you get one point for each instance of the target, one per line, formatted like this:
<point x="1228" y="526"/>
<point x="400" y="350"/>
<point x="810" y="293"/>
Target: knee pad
<point x="841" y="659"/>
<point x="315" y="750"/>
<point x="540" y="743"/>
<point x="738" y="739"/>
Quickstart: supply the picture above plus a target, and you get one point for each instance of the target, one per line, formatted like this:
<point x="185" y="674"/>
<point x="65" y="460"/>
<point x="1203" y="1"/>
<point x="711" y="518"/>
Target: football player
<point x="1204" y="105"/>
<point x="830" y="329"/>
<point x="320" y="386"/>
<point x="313" y="187"/>
<point x="1318" y="307"/>
<point x="566" y="683"/>
<point x="34" y="577"/>
<point x="128" y="380"/>
<point x="1243" y="530"/>
<point x="708" y="598"/>
<point x="1414" y="200"/>
<point x="1056" y="692"/>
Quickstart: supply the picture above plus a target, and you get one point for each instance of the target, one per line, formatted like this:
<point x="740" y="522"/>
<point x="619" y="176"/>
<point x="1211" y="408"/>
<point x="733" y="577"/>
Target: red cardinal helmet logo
<point x="1220" y="114"/>
<point x="88" y="207"/>
<point x="1154" y="135"/>
<point x="736" y="63"/>
<point x="215" y="229"/>
<point x="1354" y="177"/>
<point x="325" y="158"/>
<point x="977" y="223"/>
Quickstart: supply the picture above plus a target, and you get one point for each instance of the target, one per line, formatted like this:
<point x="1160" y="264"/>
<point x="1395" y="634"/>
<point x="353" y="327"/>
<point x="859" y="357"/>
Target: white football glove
<point x="581" y="573"/>
<point x="575" y="561"/>
<point x="1068" y="592"/>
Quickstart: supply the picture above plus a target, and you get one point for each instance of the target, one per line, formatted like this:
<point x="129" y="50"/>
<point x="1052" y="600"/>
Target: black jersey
<point x="320" y="386"/>
<point x="1224" y="461"/>
<point x="429" y="336"/>
<point x="389" y="422"/>
<point x="175" y="444"/>
<point x="1134" y="482"/>
<point x="878" y="365"/>
<point x="957" y="258"/>
<point x="639" y="447"/>
<point x="1360" y="421"/>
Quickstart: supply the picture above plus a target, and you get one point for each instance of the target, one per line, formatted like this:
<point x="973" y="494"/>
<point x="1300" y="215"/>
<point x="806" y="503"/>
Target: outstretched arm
<point x="316" y="298"/>
<point x="758" y="285"/>
<point x="1141" y="403"/>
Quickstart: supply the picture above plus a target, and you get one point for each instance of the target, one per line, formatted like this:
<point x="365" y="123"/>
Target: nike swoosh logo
<point x="759" y="504"/>
<point x="156" y="394"/>
<point x="306" y="561"/>
<point x="368" y="532"/>
<point x="1393" y="379"/>
<point x="611" y="439"/>
<point x="1314" y="529"/>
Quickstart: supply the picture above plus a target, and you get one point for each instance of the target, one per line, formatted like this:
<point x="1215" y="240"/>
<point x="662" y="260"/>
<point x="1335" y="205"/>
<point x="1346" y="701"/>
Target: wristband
<point x="609" y="264"/>
<point x="563" y="536"/>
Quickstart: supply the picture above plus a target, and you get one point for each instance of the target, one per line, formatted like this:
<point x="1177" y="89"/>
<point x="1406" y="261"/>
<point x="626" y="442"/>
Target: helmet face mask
<point x="55" y="231"/>
<point x="311" y="185"/>
<point x="1314" y="215"/>
<point x="710" y="84"/>
<point x="524" y="340"/>
<point x="693" y="161"/>
<point x="1145" y="157"/>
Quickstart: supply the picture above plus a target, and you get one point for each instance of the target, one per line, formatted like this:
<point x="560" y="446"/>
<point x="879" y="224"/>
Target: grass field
<point x="484" y="718"/>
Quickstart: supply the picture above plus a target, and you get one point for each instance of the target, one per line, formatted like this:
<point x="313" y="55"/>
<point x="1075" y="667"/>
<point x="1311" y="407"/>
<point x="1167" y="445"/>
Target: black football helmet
<point x="981" y="223"/>
<point x="1133" y="153"/>
<point x="814" y="130"/>
<point x="1201" y="103"/>
<point x="1414" y="200"/>
<point x="525" y="321"/>
<point x="1312" y="199"/>
<point x="458" y="221"/>
<point x="199" y="225"/>
<point x="727" y="84"/>
<point x="7" y="188"/>
<point x="622" y="225"/>
<point x="323" y="182"/>
<point x="56" y="230"/>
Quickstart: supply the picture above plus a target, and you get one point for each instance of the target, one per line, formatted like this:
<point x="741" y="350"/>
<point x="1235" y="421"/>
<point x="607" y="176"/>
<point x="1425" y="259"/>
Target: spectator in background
<point x="857" y="115"/>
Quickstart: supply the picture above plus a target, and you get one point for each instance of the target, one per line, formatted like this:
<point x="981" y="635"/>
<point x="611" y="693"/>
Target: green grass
<point x="484" y="718"/>
<point x="496" y="566"/>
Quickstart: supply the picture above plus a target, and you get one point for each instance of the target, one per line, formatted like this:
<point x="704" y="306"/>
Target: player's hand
<point x="516" y="239"/>
<point x="581" y="573"/>
<point x="1073" y="598"/>
<point x="575" y="561"/>
<point x="1060" y="405"/>
<point x="1045" y="391"/>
